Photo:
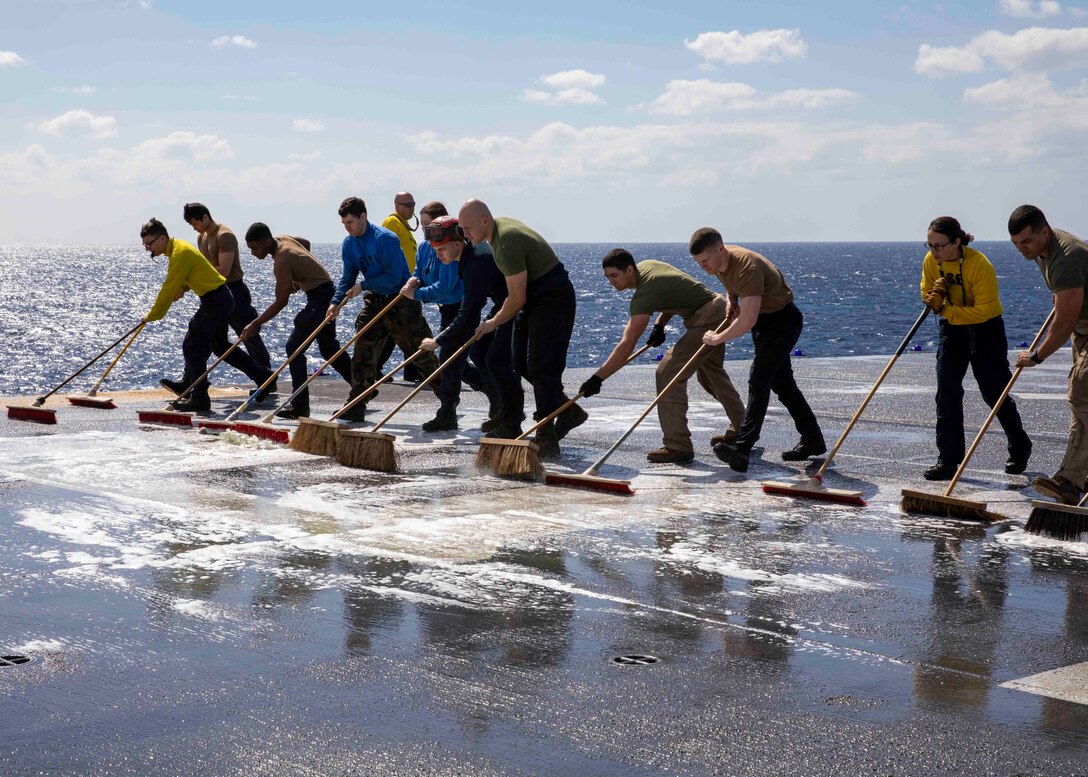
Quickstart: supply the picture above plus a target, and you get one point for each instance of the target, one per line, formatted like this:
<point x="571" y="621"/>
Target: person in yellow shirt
<point x="188" y="269"/>
<point x="404" y="208"/>
<point x="960" y="285"/>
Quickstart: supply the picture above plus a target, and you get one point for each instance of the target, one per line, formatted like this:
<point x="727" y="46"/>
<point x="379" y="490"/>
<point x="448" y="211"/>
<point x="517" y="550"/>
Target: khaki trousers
<point x="672" y="410"/>
<point x="1075" y="463"/>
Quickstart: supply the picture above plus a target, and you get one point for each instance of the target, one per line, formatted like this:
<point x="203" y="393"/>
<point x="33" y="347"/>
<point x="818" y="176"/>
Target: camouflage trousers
<point x="407" y="327"/>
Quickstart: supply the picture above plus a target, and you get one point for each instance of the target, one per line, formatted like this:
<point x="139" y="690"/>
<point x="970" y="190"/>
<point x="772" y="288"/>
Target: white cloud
<point x="1030" y="9"/>
<point x="10" y="58"/>
<point x="235" y="40"/>
<point x="185" y="145"/>
<point x="573" y="79"/>
<point x="310" y="157"/>
<point x="562" y="97"/>
<point x="307" y="125"/>
<point x="736" y="48"/>
<point x="80" y="124"/>
<point x="243" y="97"/>
<point x="1033" y="48"/>
<point x="83" y="89"/>
<point x="683" y="98"/>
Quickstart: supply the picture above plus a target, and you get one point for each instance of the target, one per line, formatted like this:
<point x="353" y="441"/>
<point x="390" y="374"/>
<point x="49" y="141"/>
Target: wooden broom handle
<point x="208" y="371"/>
<point x="872" y="392"/>
<point x="425" y="383"/>
<point x="552" y="415"/>
<point x="374" y="386"/>
<point x="343" y="349"/>
<point x="41" y="400"/>
<point x="695" y="356"/>
<point x="997" y="406"/>
<point x="117" y="358"/>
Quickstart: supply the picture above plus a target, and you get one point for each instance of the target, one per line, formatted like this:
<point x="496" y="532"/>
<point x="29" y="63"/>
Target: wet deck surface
<point x="195" y="606"/>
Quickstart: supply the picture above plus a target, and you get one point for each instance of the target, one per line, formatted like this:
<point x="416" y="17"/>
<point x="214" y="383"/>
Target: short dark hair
<point x="258" y="231"/>
<point x="153" y="227"/>
<point x="194" y="211"/>
<point x="1026" y="216"/>
<point x="353" y="206"/>
<point x="950" y="228"/>
<point x="618" y="259"/>
<point x="434" y="210"/>
<point x="704" y="239"/>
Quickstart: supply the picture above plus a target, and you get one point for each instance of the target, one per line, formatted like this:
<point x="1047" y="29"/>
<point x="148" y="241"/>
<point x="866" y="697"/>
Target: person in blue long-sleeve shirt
<point x="375" y="253"/>
<point x="440" y="283"/>
<point x="492" y="353"/>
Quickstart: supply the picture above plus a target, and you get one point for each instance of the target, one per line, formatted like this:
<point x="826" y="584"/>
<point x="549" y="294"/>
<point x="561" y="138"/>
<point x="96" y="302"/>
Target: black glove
<point x="591" y="387"/>
<point x="657" y="336"/>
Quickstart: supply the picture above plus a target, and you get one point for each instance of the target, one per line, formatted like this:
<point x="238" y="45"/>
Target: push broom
<point x="589" y="478"/>
<point x="36" y="412"/>
<point x="263" y="427"/>
<point x="520" y="458"/>
<point x="319" y="437"/>
<point x="952" y="507"/>
<point x="814" y="487"/>
<point x="1061" y="522"/>
<point x="173" y="417"/>
<point x="91" y="398"/>
<point x="374" y="450"/>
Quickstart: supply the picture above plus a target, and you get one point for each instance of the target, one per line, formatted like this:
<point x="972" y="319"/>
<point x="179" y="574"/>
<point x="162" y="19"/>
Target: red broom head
<point x="815" y="493"/>
<point x="36" y="415"/>
<point x="164" y="417"/>
<point x="592" y="483"/>
<point x="102" y="404"/>
<point x="264" y="432"/>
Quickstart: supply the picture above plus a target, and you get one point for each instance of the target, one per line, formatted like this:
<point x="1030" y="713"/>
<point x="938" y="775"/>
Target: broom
<point x="173" y="417"/>
<point x="520" y="458"/>
<point x="1062" y="522"/>
<point x="374" y="450"/>
<point x="814" y="488"/>
<point x="91" y="398"/>
<point x="36" y="412"/>
<point x="589" y="478"/>
<point x="319" y="437"/>
<point x="947" y="505"/>
<point x="263" y="427"/>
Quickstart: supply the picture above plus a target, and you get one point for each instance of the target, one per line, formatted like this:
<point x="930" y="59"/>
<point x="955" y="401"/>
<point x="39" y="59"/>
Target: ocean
<point x="61" y="304"/>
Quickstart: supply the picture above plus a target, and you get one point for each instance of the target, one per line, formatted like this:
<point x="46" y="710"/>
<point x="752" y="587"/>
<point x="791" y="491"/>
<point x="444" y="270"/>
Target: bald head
<point x="476" y="220"/>
<point x="405" y="204"/>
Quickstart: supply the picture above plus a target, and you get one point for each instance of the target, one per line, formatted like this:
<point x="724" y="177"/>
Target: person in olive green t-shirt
<point x="663" y="289"/>
<point x="541" y="303"/>
<point x="1063" y="260"/>
<point x="188" y="269"/>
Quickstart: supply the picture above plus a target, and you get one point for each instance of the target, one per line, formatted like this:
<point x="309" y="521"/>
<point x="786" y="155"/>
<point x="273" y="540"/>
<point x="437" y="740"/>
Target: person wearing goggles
<point x="491" y="353"/>
<point x="541" y="302"/>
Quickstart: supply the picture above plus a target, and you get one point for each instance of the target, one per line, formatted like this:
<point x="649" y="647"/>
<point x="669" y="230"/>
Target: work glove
<point x="591" y="387"/>
<point x="940" y="286"/>
<point x="657" y="336"/>
<point x="935" y="301"/>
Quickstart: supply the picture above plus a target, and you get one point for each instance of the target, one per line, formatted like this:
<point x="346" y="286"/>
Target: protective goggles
<point x="442" y="230"/>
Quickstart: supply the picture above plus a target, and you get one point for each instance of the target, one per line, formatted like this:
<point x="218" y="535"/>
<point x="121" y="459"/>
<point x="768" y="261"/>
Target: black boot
<point x="295" y="409"/>
<point x="445" y="419"/>
<point x="548" y="441"/>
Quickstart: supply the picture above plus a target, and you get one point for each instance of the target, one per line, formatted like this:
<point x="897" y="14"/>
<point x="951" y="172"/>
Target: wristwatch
<point x="1034" y="356"/>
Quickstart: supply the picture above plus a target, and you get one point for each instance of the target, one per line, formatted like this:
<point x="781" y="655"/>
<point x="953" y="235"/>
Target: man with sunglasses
<point x="375" y="253"/>
<point x="404" y="207"/>
<point x="541" y="303"/>
<point x="475" y="271"/>
<point x="207" y="333"/>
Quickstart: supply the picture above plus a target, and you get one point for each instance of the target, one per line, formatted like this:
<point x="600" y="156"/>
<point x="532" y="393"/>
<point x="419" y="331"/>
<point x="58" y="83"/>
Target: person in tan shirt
<point x="761" y="302"/>
<point x="296" y="269"/>
<point x="219" y="245"/>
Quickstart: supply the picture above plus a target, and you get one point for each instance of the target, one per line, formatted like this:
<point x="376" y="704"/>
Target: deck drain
<point x="635" y="660"/>
<point x="14" y="660"/>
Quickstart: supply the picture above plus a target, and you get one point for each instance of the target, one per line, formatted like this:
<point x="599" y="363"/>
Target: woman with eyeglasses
<point x="960" y="285"/>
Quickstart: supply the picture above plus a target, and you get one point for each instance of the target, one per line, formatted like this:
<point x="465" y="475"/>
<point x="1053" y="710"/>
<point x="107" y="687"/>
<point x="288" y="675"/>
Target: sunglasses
<point x="410" y="204"/>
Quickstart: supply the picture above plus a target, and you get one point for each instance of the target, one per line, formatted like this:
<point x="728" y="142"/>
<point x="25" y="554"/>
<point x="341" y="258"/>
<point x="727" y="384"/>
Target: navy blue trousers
<point x="244" y="312"/>
<point x="306" y="321"/>
<point x="541" y="337"/>
<point x="207" y="333"/>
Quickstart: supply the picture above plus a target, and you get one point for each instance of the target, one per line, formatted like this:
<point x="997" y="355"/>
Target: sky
<point x="603" y="122"/>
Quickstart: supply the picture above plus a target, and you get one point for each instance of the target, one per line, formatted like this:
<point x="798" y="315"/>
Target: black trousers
<point x="449" y="390"/>
<point x="244" y="312"/>
<point x="207" y="333"/>
<point x="494" y="357"/>
<point x="774" y="336"/>
<point x="984" y="348"/>
<point x="541" y="337"/>
<point x="306" y="321"/>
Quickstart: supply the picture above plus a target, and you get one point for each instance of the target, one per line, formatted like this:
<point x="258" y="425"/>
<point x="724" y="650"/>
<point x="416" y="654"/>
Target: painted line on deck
<point x="1069" y="683"/>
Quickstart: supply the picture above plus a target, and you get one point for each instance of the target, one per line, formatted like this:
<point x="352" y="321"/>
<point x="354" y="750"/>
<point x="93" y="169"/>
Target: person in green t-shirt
<point x="1063" y="260"/>
<point x="661" y="288"/>
<point x="541" y="303"/>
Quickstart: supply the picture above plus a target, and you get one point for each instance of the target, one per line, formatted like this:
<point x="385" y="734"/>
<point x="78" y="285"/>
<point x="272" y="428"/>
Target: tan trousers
<point x="672" y="411"/>
<point x="1075" y="464"/>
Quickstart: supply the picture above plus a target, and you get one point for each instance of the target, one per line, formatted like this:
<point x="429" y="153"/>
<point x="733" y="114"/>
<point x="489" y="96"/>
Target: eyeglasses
<point x="410" y="204"/>
<point x="149" y="243"/>
<point x="937" y="246"/>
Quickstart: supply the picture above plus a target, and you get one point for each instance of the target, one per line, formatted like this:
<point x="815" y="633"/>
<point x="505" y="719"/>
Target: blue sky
<point x="590" y="121"/>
